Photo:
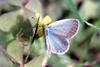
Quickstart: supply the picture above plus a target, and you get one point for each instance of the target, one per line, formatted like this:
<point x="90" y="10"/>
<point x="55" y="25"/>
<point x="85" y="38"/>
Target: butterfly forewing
<point x="66" y="28"/>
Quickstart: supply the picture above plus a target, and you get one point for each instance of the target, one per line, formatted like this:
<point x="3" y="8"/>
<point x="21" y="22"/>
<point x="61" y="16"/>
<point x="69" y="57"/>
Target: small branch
<point x="22" y="54"/>
<point x="21" y="44"/>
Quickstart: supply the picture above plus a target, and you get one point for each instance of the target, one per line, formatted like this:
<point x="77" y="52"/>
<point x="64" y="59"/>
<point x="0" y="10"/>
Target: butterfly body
<point x="58" y="34"/>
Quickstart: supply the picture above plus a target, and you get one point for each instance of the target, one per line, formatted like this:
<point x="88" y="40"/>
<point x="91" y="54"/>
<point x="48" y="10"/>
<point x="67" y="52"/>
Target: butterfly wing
<point x="66" y="28"/>
<point x="56" y="44"/>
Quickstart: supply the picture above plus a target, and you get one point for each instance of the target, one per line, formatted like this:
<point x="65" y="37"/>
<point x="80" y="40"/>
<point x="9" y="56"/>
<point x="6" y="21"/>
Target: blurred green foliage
<point x="17" y="19"/>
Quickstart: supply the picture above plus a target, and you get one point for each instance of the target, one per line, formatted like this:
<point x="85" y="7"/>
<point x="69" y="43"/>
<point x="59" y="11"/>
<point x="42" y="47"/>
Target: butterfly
<point x="58" y="34"/>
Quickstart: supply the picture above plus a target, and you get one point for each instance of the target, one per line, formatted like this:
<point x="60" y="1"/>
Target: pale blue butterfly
<point x="58" y="34"/>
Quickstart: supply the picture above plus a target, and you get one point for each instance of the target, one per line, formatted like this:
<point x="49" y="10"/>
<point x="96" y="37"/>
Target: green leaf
<point x="39" y="45"/>
<point x="75" y="13"/>
<point x="15" y="2"/>
<point x="73" y="9"/>
<point x="30" y="15"/>
<point x="24" y="27"/>
<point x="5" y="37"/>
<point x="4" y="62"/>
<point x="4" y="5"/>
<point x="55" y="61"/>
<point x="34" y="6"/>
<point x="89" y="9"/>
<point x="37" y="62"/>
<point x="54" y="10"/>
<point x="13" y="49"/>
<point x="8" y="20"/>
<point x="67" y="58"/>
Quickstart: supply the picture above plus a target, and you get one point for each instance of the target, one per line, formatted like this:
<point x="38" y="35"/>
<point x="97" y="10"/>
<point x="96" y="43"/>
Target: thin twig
<point x="18" y="38"/>
<point x="22" y="54"/>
